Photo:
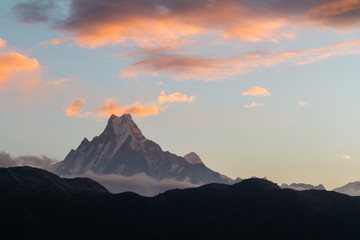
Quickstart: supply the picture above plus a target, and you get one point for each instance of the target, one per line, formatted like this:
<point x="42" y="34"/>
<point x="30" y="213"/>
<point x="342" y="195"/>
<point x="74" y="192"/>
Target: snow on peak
<point x="121" y="124"/>
<point x="124" y="126"/>
<point x="192" y="158"/>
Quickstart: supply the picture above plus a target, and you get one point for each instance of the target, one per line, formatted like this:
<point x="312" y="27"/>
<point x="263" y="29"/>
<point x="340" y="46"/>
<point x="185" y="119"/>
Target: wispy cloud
<point x="58" y="81"/>
<point x="54" y="41"/>
<point x="254" y="104"/>
<point x="183" y="67"/>
<point x="256" y="91"/>
<point x="34" y="11"/>
<point x="174" y="97"/>
<point x="75" y="107"/>
<point x="2" y="43"/>
<point x="110" y="106"/>
<point x="303" y="103"/>
<point x="340" y="14"/>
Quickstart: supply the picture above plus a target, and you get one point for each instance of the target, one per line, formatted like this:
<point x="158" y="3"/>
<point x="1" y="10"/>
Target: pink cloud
<point x="75" y="107"/>
<point x="15" y="62"/>
<point x="256" y="91"/>
<point x="2" y="43"/>
<point x="174" y="97"/>
<point x="253" y="104"/>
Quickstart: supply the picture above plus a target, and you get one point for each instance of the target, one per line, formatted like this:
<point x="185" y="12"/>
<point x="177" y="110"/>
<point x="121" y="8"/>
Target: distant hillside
<point x="352" y="189"/>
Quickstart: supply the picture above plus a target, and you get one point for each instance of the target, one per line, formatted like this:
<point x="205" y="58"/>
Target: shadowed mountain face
<point x="35" y="204"/>
<point x="122" y="149"/>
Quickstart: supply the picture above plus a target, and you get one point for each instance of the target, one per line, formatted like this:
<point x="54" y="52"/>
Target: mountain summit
<point x="122" y="149"/>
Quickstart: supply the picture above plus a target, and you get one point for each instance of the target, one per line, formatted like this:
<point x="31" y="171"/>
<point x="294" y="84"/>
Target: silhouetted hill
<point x="35" y="204"/>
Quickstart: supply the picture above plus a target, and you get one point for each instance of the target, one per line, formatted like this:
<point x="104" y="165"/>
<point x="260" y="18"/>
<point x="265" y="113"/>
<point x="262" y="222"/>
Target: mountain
<point x="303" y="186"/>
<point x="35" y="204"/>
<point x="122" y="149"/>
<point x="352" y="189"/>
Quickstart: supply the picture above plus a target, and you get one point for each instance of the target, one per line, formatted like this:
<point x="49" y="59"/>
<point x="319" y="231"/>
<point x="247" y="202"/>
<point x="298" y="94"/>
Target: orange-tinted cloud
<point x="174" y="97"/>
<point x="151" y="24"/>
<point x="14" y="62"/>
<point x="54" y="41"/>
<point x="303" y="103"/>
<point x="111" y="107"/>
<point x="183" y="67"/>
<point x="253" y="104"/>
<point x="74" y="108"/>
<point x="58" y="81"/>
<point x="167" y="23"/>
<point x="347" y="157"/>
<point x="2" y="43"/>
<point x="256" y="91"/>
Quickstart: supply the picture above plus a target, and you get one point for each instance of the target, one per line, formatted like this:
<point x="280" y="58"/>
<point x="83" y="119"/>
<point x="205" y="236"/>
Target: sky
<point x="254" y="87"/>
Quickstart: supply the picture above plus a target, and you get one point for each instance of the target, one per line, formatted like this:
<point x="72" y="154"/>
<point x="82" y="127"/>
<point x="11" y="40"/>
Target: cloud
<point x="347" y="157"/>
<point x="339" y="14"/>
<point x="166" y="23"/>
<point x="139" y="183"/>
<point x="111" y="107"/>
<point x="54" y="41"/>
<point x="41" y="162"/>
<point x="14" y="62"/>
<point x="256" y="91"/>
<point x="34" y="12"/>
<point x="174" y="97"/>
<point x="253" y="104"/>
<point x="163" y="23"/>
<point x="75" y="107"/>
<point x="303" y="103"/>
<point x="2" y="43"/>
<point x="183" y="67"/>
<point x="58" y="81"/>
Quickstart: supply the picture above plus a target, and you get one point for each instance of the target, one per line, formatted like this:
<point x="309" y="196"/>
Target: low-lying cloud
<point x="139" y="183"/>
<point x="6" y="160"/>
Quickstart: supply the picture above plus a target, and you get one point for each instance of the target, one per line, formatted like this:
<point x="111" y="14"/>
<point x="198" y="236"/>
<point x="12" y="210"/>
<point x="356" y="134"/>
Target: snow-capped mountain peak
<point x="193" y="158"/>
<point x="122" y="149"/>
<point x="122" y="127"/>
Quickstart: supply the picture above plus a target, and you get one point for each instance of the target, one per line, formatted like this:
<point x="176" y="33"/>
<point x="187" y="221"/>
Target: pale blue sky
<point x="282" y="140"/>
